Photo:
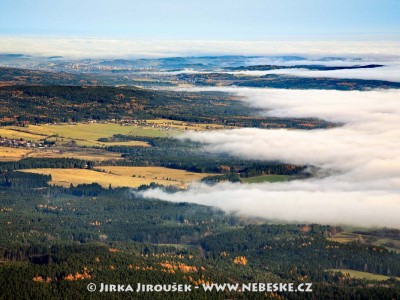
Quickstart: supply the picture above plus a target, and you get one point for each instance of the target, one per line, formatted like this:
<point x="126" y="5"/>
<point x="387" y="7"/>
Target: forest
<point x="33" y="104"/>
<point x="57" y="240"/>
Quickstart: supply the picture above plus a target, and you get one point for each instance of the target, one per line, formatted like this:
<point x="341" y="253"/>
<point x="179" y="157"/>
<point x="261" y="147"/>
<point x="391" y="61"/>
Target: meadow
<point x="120" y="176"/>
<point x="344" y="237"/>
<point x="87" y="134"/>
<point x="91" y="154"/>
<point x="12" y="132"/>
<point x="156" y="173"/>
<point x="363" y="275"/>
<point x="12" y="154"/>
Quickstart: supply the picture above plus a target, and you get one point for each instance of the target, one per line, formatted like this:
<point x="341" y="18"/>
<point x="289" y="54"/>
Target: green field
<point x="266" y="178"/>
<point x="120" y="176"/>
<point x="16" y="133"/>
<point x="390" y="244"/>
<point x="362" y="275"/>
<point x="344" y="237"/>
<point x="348" y="237"/>
<point x="87" y="134"/>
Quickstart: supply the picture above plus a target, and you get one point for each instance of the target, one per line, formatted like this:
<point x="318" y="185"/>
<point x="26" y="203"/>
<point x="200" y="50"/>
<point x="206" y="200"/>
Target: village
<point x="22" y="143"/>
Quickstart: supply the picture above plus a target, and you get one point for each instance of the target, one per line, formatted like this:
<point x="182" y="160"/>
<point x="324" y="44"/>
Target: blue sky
<point x="202" y="19"/>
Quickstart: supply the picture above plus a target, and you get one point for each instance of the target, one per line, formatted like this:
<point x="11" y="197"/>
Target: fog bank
<point x="362" y="158"/>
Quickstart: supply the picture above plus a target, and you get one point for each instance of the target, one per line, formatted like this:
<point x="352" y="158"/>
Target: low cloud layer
<point x="362" y="159"/>
<point x="112" y="47"/>
<point x="390" y="72"/>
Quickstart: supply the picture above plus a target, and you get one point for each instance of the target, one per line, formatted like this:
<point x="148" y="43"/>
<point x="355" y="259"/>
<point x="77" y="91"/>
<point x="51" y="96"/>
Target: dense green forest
<point x="56" y="240"/>
<point x="32" y="163"/>
<point x="48" y="104"/>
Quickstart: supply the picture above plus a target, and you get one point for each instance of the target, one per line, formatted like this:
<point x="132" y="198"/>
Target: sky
<point x="203" y="20"/>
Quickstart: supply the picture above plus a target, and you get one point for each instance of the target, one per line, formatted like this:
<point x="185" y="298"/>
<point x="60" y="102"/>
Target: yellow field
<point x="12" y="154"/>
<point x="15" y="133"/>
<point x="155" y="173"/>
<point x="363" y="275"/>
<point x="344" y="237"/>
<point x="87" y="134"/>
<point x="121" y="177"/>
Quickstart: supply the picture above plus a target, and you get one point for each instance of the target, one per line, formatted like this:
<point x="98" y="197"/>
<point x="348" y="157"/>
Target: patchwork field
<point x="344" y="237"/>
<point x="349" y="237"/>
<point x="87" y="134"/>
<point x="73" y="140"/>
<point x="120" y="176"/>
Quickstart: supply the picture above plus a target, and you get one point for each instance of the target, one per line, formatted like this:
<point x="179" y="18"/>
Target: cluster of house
<point x="122" y="122"/>
<point x="21" y="143"/>
<point x="119" y="121"/>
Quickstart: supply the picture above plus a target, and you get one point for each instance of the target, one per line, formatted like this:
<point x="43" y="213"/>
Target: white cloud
<point x="290" y="203"/>
<point x="113" y="47"/>
<point x="389" y="72"/>
<point x="362" y="158"/>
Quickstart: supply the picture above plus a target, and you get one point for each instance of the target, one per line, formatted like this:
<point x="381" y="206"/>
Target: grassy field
<point x="344" y="237"/>
<point x="13" y="154"/>
<point x="120" y="176"/>
<point x="15" y="133"/>
<point x="155" y="173"/>
<point x="390" y="244"/>
<point x="266" y="178"/>
<point x="75" y="152"/>
<point x="87" y="134"/>
<point x="348" y="237"/>
<point x="362" y="275"/>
